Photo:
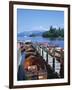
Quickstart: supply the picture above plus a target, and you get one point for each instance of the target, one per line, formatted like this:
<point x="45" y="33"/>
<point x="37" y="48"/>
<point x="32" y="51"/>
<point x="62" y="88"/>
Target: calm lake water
<point x="59" y="42"/>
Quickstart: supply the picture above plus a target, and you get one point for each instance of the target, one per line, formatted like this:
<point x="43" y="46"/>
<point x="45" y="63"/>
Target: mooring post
<point x="54" y="60"/>
<point x="61" y="64"/>
<point x="39" y="50"/>
<point x="47" y="57"/>
<point x="53" y="64"/>
<point x="42" y="52"/>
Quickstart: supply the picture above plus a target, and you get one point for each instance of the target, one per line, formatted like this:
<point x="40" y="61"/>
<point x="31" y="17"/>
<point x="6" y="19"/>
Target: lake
<point x="59" y="42"/>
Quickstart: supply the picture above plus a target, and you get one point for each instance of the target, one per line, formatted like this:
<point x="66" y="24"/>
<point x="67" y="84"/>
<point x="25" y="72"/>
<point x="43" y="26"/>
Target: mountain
<point x="28" y="33"/>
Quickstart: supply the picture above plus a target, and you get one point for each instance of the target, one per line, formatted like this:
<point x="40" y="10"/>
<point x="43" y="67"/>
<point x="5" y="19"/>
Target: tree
<point x="53" y="33"/>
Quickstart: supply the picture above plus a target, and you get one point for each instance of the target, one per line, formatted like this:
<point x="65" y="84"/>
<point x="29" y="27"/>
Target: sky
<point x="38" y="20"/>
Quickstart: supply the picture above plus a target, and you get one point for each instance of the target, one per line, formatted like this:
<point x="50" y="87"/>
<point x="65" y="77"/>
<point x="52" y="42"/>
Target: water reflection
<point x="56" y="41"/>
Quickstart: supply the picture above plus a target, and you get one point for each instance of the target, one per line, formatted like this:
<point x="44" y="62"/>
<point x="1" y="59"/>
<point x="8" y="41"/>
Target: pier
<point x="50" y="57"/>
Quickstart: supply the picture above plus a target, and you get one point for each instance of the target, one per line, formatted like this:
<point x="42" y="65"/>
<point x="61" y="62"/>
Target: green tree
<point x="53" y="33"/>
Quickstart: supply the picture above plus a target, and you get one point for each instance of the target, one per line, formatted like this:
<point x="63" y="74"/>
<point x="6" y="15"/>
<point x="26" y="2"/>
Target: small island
<point x="54" y="33"/>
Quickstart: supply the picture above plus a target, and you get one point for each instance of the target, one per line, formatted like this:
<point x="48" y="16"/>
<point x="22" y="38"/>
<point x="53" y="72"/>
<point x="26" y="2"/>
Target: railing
<point x="54" y="58"/>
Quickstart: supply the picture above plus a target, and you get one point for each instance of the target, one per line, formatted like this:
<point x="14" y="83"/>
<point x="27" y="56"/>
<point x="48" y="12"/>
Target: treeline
<point x="54" y="33"/>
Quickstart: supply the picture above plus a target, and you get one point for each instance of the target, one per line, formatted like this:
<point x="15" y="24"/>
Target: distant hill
<point x="29" y="33"/>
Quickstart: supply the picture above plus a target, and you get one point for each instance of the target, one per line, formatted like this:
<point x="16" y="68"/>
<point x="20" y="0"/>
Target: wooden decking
<point x="53" y="57"/>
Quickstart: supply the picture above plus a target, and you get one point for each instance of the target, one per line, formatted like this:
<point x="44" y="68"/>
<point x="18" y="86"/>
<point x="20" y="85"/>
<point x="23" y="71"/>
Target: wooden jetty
<point x="50" y="56"/>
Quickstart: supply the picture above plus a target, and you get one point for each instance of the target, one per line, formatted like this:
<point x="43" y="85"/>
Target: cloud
<point x="39" y="28"/>
<point x="55" y="26"/>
